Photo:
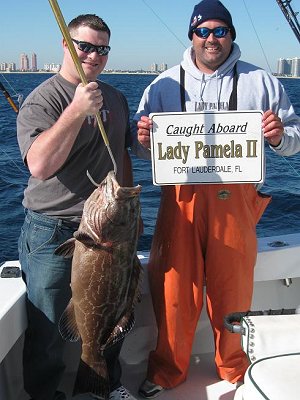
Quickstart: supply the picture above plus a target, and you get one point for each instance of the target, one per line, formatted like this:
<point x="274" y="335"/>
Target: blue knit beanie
<point x="210" y="9"/>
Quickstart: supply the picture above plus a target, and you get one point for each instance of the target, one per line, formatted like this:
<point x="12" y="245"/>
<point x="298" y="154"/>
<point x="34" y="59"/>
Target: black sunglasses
<point x="90" y="48"/>
<point x="218" y="32"/>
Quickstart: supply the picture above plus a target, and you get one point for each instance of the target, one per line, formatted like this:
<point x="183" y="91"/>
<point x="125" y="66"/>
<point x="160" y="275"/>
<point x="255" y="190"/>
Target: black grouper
<point x="105" y="279"/>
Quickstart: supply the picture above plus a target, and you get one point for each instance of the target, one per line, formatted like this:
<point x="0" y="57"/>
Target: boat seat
<point x="273" y="378"/>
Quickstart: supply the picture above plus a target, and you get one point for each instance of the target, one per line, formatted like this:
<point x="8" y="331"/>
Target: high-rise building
<point x="281" y="66"/>
<point x="284" y="66"/>
<point x="289" y="63"/>
<point x="153" y="67"/>
<point x="33" y="62"/>
<point x="12" y="67"/>
<point x="296" y="67"/>
<point x="3" y="66"/>
<point x="24" y="62"/>
<point x="163" y="67"/>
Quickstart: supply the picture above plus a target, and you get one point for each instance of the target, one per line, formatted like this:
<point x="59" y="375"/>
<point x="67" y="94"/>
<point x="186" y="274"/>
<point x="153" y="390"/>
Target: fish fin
<point x="126" y="323"/>
<point x="92" y="379"/>
<point x="90" y="242"/>
<point x="123" y="327"/>
<point x="137" y="280"/>
<point x="67" y="324"/>
<point x="66" y="249"/>
<point x="84" y="238"/>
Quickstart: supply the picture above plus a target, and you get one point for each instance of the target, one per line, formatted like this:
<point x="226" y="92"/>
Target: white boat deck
<point x="201" y="384"/>
<point x="273" y="270"/>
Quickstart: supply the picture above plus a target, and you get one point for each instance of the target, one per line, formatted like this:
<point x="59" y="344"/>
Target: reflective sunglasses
<point x="218" y="32"/>
<point x="90" y="48"/>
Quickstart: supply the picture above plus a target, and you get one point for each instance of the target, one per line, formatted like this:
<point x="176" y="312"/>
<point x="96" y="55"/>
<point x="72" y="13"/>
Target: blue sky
<point x="144" y="31"/>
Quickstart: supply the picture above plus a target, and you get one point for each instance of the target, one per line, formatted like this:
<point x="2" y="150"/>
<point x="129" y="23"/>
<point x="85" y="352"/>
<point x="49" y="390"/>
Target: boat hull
<point x="277" y="285"/>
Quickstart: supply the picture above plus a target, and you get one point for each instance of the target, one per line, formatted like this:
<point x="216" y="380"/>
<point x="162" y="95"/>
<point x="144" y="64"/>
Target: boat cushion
<point x="273" y="378"/>
<point x="269" y="335"/>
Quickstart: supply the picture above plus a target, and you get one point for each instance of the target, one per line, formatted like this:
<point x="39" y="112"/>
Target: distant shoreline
<point x="123" y="73"/>
<point x="287" y="77"/>
<point x="102" y="73"/>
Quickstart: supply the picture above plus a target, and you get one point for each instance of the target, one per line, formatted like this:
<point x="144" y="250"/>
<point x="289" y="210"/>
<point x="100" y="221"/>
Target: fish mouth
<point x="127" y="192"/>
<point x="121" y="192"/>
<point x="112" y="185"/>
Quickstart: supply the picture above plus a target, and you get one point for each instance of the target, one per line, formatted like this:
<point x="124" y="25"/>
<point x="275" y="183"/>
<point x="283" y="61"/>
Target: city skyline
<point x="32" y="66"/>
<point x="143" y="31"/>
<point x="289" y="66"/>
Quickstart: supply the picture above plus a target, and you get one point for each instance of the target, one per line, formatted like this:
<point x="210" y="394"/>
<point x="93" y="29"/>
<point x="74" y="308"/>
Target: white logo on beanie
<point x="196" y="20"/>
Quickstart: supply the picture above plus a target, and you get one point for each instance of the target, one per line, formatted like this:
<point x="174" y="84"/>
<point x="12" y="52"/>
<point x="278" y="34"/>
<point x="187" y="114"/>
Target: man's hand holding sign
<point x="209" y="147"/>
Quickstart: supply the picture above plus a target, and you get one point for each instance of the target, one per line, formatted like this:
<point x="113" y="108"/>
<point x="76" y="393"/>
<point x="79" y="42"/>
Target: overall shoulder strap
<point x="233" y="96"/>
<point x="182" y="89"/>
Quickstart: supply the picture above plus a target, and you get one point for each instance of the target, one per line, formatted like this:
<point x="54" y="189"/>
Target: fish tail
<point x="90" y="381"/>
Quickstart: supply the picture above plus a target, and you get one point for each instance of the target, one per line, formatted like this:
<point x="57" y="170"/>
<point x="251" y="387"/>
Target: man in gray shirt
<point x="59" y="141"/>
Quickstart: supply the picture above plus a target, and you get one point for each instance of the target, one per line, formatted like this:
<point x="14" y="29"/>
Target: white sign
<point x="207" y="147"/>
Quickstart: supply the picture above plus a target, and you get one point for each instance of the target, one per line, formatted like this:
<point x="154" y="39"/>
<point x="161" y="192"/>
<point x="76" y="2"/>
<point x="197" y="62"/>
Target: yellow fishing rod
<point x="66" y="34"/>
<point x="8" y="98"/>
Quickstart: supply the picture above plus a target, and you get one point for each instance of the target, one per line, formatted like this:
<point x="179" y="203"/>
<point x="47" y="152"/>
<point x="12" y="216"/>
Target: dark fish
<point x="105" y="279"/>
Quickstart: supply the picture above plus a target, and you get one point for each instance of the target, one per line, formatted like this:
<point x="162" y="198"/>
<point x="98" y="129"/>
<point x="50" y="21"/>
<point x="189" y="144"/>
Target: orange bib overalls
<point x="205" y="235"/>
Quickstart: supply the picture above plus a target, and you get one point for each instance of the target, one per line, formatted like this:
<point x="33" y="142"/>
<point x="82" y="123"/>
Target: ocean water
<point x="282" y="175"/>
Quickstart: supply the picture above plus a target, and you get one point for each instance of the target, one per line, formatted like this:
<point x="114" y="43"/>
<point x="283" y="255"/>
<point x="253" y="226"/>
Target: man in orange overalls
<point x="206" y="233"/>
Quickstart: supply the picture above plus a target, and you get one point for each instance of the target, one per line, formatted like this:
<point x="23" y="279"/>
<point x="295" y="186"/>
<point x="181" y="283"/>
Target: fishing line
<point x="159" y="18"/>
<point x="9" y="97"/>
<point x="15" y="93"/>
<point x="262" y="49"/>
<point x="288" y="162"/>
<point x="13" y="161"/>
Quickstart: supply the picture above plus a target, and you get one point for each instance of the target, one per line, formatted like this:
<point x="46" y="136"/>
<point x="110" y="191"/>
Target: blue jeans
<point x="47" y="277"/>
